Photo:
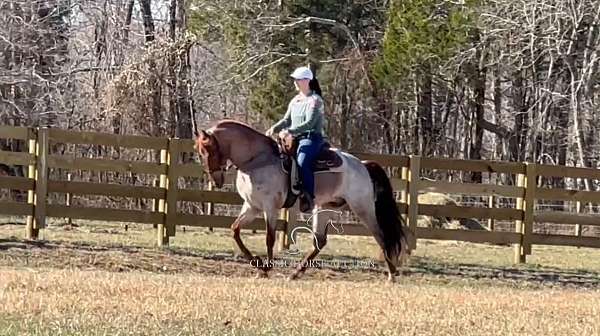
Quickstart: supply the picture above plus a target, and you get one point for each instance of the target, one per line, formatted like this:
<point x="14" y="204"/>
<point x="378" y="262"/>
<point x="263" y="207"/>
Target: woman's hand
<point x="269" y="132"/>
<point x="283" y="134"/>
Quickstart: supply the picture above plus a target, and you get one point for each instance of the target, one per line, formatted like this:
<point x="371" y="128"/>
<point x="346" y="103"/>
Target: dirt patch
<point x="69" y="255"/>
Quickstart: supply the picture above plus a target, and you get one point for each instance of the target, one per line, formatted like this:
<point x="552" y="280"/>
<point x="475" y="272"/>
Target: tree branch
<point x="503" y="132"/>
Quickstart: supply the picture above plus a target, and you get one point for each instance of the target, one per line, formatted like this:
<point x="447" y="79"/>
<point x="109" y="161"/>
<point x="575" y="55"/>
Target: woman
<point x="304" y="121"/>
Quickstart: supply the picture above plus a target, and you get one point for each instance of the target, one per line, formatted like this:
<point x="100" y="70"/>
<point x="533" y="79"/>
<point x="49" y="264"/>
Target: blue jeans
<point x="308" y="149"/>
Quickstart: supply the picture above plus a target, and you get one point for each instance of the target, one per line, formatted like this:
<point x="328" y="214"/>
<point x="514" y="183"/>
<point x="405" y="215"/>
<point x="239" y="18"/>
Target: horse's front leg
<point x="271" y="226"/>
<point x="246" y="216"/>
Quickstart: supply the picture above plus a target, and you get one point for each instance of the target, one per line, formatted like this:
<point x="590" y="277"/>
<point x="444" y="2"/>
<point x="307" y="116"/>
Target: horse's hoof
<point x="391" y="278"/>
<point x="293" y="277"/>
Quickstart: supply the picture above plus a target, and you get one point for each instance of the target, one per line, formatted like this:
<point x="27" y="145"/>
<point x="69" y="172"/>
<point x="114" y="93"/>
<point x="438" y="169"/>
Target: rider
<point x="304" y="120"/>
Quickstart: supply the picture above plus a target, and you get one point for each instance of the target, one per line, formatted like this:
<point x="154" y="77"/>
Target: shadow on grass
<point x="525" y="274"/>
<point x="121" y="258"/>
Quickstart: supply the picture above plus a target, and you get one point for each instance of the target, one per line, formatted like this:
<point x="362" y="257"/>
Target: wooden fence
<point x="407" y="181"/>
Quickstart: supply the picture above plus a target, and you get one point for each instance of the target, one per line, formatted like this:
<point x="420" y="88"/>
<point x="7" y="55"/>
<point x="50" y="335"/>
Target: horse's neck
<point x="245" y="150"/>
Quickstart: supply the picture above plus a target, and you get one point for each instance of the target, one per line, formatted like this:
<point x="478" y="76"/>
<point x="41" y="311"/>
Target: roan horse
<point x="361" y="186"/>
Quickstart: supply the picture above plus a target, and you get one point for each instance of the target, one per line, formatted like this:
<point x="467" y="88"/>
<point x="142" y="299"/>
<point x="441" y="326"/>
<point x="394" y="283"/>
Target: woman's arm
<point x="284" y="122"/>
<point x="314" y="113"/>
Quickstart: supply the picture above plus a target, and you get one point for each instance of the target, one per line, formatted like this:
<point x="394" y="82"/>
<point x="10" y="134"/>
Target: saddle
<point x="326" y="160"/>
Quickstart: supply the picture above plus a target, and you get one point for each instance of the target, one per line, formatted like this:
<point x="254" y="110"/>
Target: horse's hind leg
<point x="365" y="211"/>
<point x="246" y="216"/>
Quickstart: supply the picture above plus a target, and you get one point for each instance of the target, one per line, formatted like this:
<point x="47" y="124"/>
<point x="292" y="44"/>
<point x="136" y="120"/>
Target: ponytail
<point x="314" y="85"/>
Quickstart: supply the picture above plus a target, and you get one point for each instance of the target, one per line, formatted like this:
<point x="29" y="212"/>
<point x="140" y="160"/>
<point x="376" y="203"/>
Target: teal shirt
<point x="303" y="114"/>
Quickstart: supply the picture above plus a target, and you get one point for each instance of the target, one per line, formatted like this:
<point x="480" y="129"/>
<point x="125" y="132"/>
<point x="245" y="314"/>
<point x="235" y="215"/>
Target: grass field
<point x="98" y="279"/>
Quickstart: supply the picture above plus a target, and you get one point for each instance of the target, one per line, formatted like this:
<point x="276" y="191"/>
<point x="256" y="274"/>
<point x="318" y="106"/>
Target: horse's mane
<point x="236" y="123"/>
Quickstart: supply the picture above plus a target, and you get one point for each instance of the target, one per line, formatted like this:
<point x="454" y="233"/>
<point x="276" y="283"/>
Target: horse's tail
<point x="392" y="230"/>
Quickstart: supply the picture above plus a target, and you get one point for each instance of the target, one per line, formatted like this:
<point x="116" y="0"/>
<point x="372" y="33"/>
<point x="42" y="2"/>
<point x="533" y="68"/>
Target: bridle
<point x="223" y="167"/>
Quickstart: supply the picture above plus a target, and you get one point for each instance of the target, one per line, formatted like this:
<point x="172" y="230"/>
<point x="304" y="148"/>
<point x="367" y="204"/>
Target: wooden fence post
<point x="404" y="191"/>
<point x="530" y="186"/>
<point x="518" y="247"/>
<point x="172" y="187"/>
<point x="156" y="184"/>
<point x="160" y="228"/>
<point x="413" y="197"/>
<point x="578" y="227"/>
<point x="492" y="201"/>
<point x="68" y="201"/>
<point x="41" y="181"/>
<point x="209" y="206"/>
<point x="30" y="232"/>
<point x="491" y="205"/>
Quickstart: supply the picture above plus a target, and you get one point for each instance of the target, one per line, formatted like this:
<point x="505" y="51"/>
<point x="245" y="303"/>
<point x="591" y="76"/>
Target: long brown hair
<point x="315" y="87"/>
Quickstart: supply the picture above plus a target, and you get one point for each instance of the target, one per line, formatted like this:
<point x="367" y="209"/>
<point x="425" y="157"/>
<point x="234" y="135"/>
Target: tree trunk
<point x="561" y="140"/>
<point x="344" y="111"/>
<point x="518" y="102"/>
<point x="478" y="78"/>
<point x="155" y="84"/>
<point x="100" y="45"/>
<point x="424" y="109"/>
<point x="498" y="150"/>
<point x="185" y="110"/>
<point x="146" y="8"/>
<point x="127" y="24"/>
<point x="172" y="76"/>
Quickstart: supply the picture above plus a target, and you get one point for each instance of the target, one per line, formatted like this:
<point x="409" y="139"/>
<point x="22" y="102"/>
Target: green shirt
<point x="304" y="113"/>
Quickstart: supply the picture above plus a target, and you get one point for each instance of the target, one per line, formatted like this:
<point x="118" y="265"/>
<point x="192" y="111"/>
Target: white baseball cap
<point x="302" y="73"/>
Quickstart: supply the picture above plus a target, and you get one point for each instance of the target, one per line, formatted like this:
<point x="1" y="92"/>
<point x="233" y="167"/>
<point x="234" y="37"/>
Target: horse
<point x="362" y="187"/>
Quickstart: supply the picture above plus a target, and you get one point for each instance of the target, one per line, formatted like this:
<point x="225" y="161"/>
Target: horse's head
<point x="213" y="160"/>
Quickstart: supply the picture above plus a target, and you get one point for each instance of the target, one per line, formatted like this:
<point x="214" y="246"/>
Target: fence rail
<point x="168" y="169"/>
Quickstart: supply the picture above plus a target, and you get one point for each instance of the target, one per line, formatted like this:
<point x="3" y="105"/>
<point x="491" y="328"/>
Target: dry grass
<point x="64" y="302"/>
<point x="101" y="280"/>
